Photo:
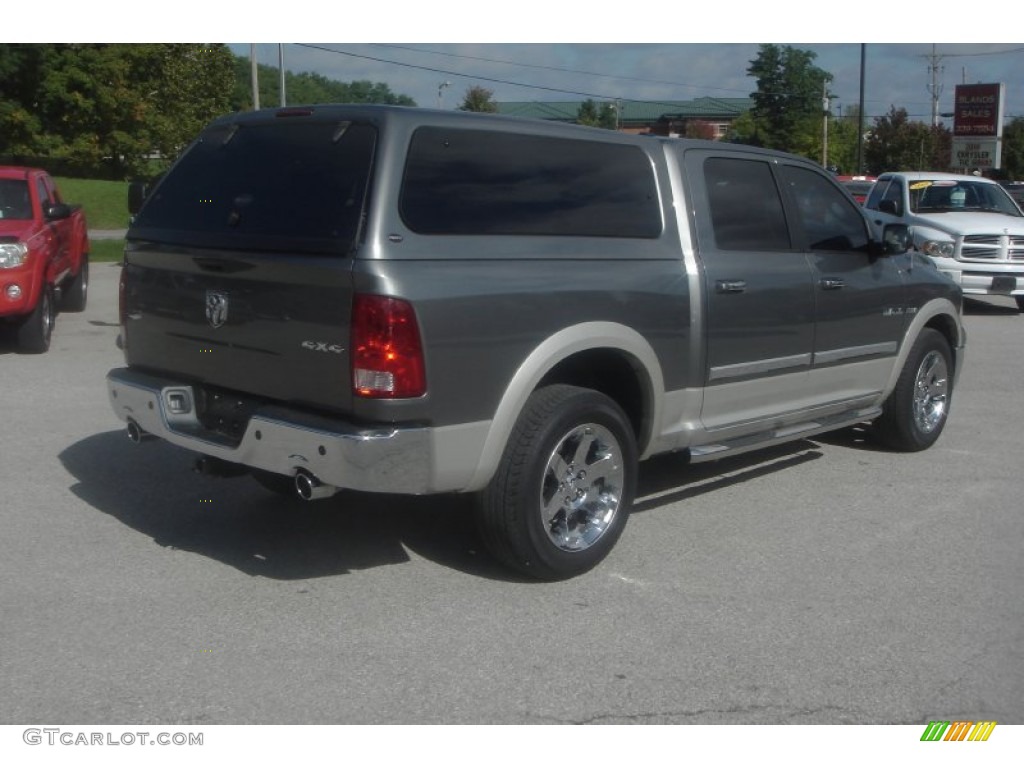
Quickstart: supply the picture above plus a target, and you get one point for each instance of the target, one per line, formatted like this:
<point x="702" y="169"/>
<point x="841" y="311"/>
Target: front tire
<point x="562" y="492"/>
<point x="915" y="413"/>
<point x="1020" y="302"/>
<point x="77" y="294"/>
<point x="36" y="330"/>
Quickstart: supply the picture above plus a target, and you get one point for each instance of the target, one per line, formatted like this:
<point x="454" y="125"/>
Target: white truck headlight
<point x="13" y="255"/>
<point x="938" y="248"/>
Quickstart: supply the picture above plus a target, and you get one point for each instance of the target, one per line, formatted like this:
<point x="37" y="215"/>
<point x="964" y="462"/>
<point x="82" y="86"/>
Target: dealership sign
<point x="978" y="125"/>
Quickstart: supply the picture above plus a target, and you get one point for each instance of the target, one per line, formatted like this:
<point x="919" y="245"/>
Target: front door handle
<point x="730" y="286"/>
<point x="832" y="283"/>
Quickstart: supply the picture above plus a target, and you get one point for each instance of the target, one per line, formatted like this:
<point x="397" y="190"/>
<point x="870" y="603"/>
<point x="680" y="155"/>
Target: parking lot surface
<point x="822" y="582"/>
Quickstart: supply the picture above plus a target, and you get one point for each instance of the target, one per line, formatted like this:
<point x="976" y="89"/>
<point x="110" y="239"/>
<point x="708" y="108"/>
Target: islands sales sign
<point x="979" y="110"/>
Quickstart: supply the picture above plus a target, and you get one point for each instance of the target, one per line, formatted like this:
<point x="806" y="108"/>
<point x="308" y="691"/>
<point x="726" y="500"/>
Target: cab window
<point x="828" y="220"/>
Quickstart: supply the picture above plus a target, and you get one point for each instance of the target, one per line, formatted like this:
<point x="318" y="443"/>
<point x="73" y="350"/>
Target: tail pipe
<point x="136" y="433"/>
<point x="309" y="488"/>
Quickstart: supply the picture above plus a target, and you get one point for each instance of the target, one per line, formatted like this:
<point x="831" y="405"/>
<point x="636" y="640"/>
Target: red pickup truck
<point x="44" y="256"/>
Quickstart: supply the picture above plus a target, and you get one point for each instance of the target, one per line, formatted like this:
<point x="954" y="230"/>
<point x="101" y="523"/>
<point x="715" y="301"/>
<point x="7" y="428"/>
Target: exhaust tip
<point x="309" y="488"/>
<point x="136" y="433"/>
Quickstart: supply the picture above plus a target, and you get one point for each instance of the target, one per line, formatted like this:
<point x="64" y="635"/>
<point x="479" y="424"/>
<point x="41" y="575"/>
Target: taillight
<point x="387" y="356"/>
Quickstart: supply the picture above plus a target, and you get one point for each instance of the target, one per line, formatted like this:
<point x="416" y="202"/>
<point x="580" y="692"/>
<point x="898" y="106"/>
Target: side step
<point x="766" y="439"/>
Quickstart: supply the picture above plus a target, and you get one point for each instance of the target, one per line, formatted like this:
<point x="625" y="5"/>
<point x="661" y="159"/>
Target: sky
<point x="562" y="51"/>
<point x="896" y="74"/>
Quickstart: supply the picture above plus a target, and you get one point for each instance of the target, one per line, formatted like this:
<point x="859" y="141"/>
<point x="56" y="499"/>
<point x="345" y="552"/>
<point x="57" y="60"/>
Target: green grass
<point x="105" y="202"/>
<point x="106" y="250"/>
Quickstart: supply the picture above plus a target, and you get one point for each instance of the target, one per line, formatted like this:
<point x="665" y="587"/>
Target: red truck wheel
<point x="36" y="330"/>
<point x="77" y="293"/>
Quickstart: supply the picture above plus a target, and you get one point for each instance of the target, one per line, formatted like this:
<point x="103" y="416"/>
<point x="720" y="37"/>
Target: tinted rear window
<point x="473" y="182"/>
<point x="291" y="184"/>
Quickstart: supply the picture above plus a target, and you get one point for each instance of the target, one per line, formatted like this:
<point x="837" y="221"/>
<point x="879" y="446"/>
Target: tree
<point x="109" y="109"/>
<point x="604" y="117"/>
<point x="478" y="99"/>
<point x="898" y="144"/>
<point x="306" y="88"/>
<point x="787" y="111"/>
<point x="1013" y="149"/>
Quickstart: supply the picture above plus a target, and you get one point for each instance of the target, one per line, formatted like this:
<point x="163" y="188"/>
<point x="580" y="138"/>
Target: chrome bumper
<point x="281" y="440"/>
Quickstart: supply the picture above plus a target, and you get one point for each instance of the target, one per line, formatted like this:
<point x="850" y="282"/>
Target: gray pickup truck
<point x="412" y="301"/>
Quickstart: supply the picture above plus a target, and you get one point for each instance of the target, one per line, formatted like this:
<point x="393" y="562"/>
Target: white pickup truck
<point x="968" y="225"/>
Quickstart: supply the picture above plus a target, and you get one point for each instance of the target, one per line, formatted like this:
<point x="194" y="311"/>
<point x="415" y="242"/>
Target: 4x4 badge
<point x="216" y="308"/>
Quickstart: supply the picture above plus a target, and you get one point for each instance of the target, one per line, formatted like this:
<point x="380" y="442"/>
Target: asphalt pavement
<point x="825" y="582"/>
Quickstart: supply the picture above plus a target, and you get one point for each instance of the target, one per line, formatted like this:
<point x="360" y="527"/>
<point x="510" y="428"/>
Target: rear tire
<point x="36" y="330"/>
<point x="561" y="495"/>
<point x="915" y="413"/>
<point x="77" y="294"/>
<point x="1020" y="302"/>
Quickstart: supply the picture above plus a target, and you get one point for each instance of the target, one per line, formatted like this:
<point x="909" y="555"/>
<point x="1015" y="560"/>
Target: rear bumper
<point x="409" y="460"/>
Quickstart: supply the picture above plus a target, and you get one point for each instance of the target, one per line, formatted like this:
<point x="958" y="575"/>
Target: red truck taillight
<point x="387" y="356"/>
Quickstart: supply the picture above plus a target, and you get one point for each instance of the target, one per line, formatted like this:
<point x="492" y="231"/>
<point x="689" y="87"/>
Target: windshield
<point x="953" y="195"/>
<point x="14" y="200"/>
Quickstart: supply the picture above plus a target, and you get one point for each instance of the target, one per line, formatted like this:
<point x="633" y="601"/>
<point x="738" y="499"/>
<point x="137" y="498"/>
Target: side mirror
<point x="896" y="239"/>
<point x="891" y="207"/>
<point x="57" y="211"/>
<point x="137" y="191"/>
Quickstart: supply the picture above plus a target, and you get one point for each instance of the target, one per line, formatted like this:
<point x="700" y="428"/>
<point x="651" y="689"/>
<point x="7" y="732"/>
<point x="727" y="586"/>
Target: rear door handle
<point x="832" y="283"/>
<point x="730" y="286"/>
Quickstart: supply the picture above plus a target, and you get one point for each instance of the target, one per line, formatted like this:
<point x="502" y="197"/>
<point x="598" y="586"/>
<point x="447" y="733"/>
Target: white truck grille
<point x="992" y="248"/>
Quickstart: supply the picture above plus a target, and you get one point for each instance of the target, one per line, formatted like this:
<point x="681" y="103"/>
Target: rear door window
<point x="745" y="206"/>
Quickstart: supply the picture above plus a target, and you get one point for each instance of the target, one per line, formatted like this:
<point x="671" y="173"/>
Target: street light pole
<point x="440" y="91"/>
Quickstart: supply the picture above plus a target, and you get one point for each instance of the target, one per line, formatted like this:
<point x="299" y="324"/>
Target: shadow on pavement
<point x="153" y="489"/>
<point x="982" y="307"/>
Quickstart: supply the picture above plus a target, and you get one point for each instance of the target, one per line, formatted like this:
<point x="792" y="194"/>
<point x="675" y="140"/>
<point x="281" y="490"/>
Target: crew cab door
<point x="859" y="297"/>
<point x="758" y="292"/>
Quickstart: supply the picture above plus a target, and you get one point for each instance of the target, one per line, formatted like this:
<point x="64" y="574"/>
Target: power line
<point x="566" y="70"/>
<point x="567" y="91"/>
<point x="454" y="73"/>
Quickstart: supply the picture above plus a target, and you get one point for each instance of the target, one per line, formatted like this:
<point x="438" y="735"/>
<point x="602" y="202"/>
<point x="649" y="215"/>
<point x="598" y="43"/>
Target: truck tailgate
<point x="271" y="325"/>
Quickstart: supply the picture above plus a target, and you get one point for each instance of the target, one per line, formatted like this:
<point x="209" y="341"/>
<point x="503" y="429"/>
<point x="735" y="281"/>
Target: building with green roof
<point x="706" y="117"/>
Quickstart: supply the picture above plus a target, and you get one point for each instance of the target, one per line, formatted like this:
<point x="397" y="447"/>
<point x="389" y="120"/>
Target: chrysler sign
<point x="978" y="126"/>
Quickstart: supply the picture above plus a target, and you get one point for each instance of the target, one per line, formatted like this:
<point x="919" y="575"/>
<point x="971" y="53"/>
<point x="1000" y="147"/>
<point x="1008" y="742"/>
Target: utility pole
<point x="860" y="117"/>
<point x="934" y="86"/>
<point x="824" y="129"/>
<point x="280" y="66"/>
<point x="254" y="76"/>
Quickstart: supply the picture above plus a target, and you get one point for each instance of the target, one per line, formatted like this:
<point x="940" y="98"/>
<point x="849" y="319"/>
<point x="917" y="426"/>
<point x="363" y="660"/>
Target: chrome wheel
<point x="581" y="491"/>
<point x="915" y="413"/>
<point x="931" y="392"/>
<point x="560" y="497"/>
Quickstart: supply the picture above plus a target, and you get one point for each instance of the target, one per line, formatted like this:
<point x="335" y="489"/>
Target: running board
<point x="805" y="429"/>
